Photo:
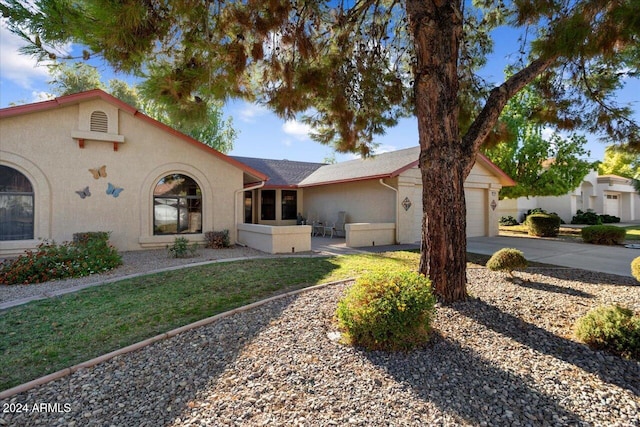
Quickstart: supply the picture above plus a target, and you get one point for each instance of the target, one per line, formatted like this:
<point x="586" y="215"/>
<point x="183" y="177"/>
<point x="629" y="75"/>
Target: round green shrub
<point x="635" y="268"/>
<point x="588" y="218"/>
<point x="543" y="225"/>
<point x="508" y="220"/>
<point x="604" y="234"/>
<point x="612" y="328"/>
<point x="507" y="259"/>
<point x="387" y="311"/>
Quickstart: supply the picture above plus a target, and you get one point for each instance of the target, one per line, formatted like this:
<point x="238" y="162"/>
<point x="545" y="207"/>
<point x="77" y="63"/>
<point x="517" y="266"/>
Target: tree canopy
<point x="541" y="165"/>
<point x="620" y="162"/>
<point x="354" y="67"/>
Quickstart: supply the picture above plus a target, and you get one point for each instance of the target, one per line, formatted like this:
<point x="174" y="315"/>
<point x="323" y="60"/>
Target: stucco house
<point x="603" y="194"/>
<point x="89" y="162"/>
<point x="381" y="196"/>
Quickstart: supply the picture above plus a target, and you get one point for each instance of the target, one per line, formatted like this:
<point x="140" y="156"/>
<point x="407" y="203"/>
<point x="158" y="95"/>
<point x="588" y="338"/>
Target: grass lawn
<point x="45" y="336"/>
<point x="633" y="232"/>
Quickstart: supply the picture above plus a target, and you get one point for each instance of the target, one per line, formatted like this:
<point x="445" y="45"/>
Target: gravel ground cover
<point x="504" y="357"/>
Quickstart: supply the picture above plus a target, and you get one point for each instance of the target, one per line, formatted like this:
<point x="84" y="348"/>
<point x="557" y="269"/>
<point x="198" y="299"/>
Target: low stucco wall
<point x="370" y="234"/>
<point x="276" y="239"/>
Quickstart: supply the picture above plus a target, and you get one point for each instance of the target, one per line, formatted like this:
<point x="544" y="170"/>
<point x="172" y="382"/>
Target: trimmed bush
<point x="530" y="212"/>
<point x="508" y="220"/>
<point x="507" y="259"/>
<point x="609" y="219"/>
<point x="635" y="268"/>
<point x="181" y="248"/>
<point x="387" y="311"/>
<point x="588" y="218"/>
<point x="51" y="261"/>
<point x="604" y="235"/>
<point x="543" y="225"/>
<point x="217" y="239"/>
<point x="612" y="328"/>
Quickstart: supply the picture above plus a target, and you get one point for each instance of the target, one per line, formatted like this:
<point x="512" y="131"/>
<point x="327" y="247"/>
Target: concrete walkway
<point x="604" y="259"/>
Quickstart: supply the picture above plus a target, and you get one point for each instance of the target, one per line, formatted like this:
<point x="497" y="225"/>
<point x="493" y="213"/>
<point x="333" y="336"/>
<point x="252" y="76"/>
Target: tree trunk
<point x="436" y="27"/>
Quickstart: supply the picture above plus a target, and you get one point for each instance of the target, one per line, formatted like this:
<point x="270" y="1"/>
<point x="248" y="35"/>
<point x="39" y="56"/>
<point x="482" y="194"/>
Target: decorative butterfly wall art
<point x="100" y="172"/>
<point x="84" y="193"/>
<point x="113" y="190"/>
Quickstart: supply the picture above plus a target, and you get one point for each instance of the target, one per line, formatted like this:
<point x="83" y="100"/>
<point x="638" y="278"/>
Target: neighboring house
<point x="603" y="194"/>
<point x="89" y="162"/>
<point x="380" y="192"/>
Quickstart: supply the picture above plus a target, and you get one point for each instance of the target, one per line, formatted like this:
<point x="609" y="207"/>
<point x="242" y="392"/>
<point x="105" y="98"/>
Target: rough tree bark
<point x="446" y="158"/>
<point x="436" y="27"/>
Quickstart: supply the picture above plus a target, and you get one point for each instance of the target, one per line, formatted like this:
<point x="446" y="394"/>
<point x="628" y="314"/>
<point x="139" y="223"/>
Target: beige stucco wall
<point x="40" y="146"/>
<point x="276" y="239"/>
<point x="590" y="195"/>
<point x="372" y="202"/>
<point x="363" y="201"/>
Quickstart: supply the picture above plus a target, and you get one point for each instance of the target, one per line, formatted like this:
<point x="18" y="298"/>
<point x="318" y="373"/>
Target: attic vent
<point x="99" y="122"/>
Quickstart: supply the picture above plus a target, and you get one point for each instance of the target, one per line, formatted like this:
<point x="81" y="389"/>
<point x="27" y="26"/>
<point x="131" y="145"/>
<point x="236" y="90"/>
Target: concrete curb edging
<point x="137" y="346"/>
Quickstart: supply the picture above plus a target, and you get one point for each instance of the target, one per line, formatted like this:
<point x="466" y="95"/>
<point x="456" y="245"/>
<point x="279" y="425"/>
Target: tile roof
<point x="281" y="173"/>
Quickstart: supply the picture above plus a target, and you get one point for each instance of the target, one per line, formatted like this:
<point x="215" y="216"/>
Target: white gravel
<point x="504" y="357"/>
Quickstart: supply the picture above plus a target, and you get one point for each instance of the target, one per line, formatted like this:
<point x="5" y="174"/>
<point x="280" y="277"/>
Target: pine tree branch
<point x="498" y="98"/>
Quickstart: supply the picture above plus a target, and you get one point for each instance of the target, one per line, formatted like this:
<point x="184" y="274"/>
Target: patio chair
<point x="338" y="226"/>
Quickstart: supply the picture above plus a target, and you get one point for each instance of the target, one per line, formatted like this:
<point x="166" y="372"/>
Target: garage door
<point x="476" y="212"/>
<point x="612" y="204"/>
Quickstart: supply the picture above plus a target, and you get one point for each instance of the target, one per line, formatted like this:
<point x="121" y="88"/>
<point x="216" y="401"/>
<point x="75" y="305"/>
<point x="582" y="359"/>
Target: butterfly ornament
<point x="100" y="172"/>
<point x="114" y="191"/>
<point x="84" y="193"/>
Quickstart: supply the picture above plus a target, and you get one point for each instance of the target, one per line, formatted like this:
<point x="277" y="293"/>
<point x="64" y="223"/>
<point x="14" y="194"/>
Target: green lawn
<point x="633" y="232"/>
<point x="45" y="336"/>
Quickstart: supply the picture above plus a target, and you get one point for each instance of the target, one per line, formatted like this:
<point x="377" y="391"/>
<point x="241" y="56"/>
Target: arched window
<point x="177" y="205"/>
<point x="16" y="205"/>
<point x="99" y="122"/>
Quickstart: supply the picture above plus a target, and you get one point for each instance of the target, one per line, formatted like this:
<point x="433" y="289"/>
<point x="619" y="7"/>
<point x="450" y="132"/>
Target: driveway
<point x="604" y="259"/>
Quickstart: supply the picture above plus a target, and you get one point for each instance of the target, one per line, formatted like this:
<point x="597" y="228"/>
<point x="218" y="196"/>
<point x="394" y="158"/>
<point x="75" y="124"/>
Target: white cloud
<point x="23" y="70"/>
<point x="296" y="129"/>
<point x="385" y="149"/>
<point x="547" y="133"/>
<point x="41" y="96"/>
<point x="252" y="111"/>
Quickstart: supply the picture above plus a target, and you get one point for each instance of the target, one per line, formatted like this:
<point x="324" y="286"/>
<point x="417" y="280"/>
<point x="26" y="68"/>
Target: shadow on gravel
<point x="154" y="385"/>
<point x="613" y="370"/>
<point x="465" y="385"/>
<point x="547" y="287"/>
<point x="584" y="276"/>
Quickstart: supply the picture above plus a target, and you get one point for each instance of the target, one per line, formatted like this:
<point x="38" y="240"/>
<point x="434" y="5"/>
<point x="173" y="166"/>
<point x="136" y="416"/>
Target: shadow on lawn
<point x="129" y="386"/>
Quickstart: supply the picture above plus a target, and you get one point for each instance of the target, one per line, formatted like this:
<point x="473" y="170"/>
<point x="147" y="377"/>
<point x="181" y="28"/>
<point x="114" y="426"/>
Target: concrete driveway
<point x="604" y="259"/>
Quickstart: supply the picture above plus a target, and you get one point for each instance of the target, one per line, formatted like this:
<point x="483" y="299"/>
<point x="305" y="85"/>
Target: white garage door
<point x="612" y="204"/>
<point x="476" y="212"/>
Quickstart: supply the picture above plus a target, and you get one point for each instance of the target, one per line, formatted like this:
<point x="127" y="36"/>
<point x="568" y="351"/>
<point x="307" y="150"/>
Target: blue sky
<point x="261" y="133"/>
